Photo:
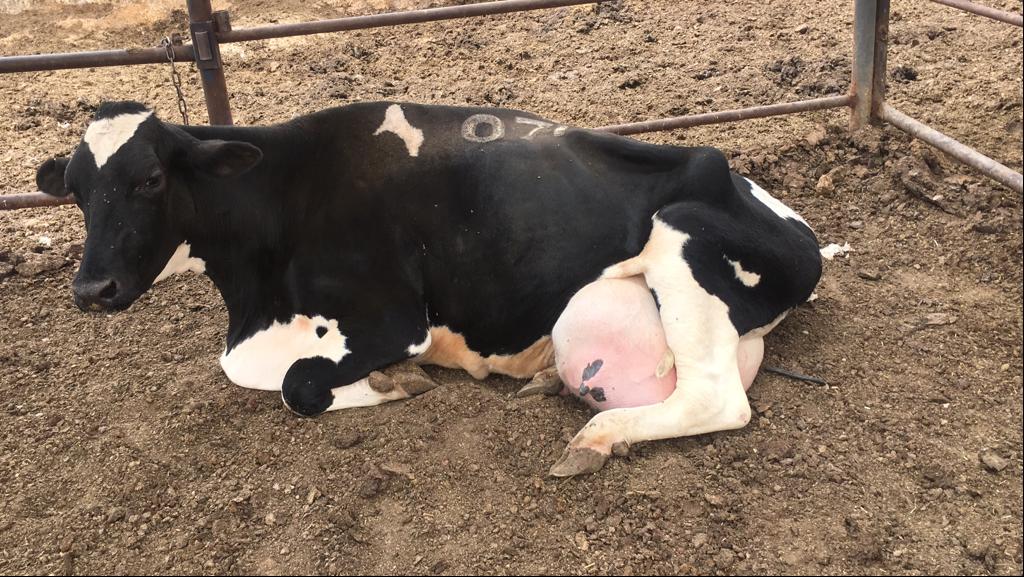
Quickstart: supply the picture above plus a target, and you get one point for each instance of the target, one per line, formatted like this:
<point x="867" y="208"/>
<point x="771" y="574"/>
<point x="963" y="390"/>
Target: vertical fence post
<point x="863" y="61"/>
<point x="881" y="49"/>
<point x="207" y="50"/>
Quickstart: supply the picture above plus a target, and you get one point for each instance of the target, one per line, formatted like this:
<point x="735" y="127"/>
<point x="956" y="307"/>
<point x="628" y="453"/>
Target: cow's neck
<point x="241" y="227"/>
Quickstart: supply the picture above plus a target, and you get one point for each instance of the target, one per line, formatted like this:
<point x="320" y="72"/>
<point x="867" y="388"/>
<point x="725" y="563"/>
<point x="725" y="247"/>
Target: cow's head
<point x="134" y="178"/>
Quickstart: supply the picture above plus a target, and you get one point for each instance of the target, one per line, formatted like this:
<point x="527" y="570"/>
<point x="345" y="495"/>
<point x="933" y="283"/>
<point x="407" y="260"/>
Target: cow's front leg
<point x="405" y="376"/>
<point x="311" y="386"/>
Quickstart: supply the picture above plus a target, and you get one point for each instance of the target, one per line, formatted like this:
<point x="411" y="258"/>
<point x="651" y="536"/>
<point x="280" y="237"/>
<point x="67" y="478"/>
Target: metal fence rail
<point x="209" y="29"/>
<point x="872" y="32"/>
<point x="986" y="11"/>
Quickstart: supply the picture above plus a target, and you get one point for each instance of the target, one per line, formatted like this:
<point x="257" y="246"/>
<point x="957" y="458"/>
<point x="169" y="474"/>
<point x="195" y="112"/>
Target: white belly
<point x="262" y="360"/>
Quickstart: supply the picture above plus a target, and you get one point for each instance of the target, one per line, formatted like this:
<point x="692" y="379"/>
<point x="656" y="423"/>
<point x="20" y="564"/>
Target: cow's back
<point x="513" y="214"/>
<point x="500" y="215"/>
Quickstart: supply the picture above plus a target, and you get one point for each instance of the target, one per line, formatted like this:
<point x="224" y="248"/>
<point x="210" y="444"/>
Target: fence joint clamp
<point x="207" y="49"/>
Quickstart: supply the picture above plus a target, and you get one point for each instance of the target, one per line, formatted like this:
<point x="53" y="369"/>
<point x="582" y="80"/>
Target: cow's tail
<point x="627" y="268"/>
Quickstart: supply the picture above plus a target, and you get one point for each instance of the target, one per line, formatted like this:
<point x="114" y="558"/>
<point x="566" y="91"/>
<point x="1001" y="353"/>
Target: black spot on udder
<point x="321" y="331"/>
<point x="598" y="394"/>
<point x="591" y="370"/>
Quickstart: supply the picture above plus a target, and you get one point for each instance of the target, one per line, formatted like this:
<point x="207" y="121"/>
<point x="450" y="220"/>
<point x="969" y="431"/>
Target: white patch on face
<point x="394" y="121"/>
<point x="773" y="203"/>
<point x="181" y="262"/>
<point x="750" y="279"/>
<point x="421" y="348"/>
<point x="107" y="135"/>
<point x="262" y="360"/>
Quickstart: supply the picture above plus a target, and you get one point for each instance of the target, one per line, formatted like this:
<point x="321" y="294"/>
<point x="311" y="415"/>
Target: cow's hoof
<point x="405" y="376"/>
<point x="380" y="382"/>
<point x="578" y="461"/>
<point x="412" y="379"/>
<point x="546" y="382"/>
<point x="620" y="449"/>
<point x="304" y="390"/>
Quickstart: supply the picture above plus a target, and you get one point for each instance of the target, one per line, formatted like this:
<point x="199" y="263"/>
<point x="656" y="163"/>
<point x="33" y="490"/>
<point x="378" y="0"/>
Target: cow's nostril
<point x="109" y="291"/>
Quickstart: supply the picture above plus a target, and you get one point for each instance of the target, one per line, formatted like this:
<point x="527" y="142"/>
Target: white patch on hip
<point x="421" y="348"/>
<point x="750" y="279"/>
<point x="773" y="203"/>
<point x="394" y="121"/>
<point x="262" y="360"/>
<point x="181" y="262"/>
<point x="107" y="135"/>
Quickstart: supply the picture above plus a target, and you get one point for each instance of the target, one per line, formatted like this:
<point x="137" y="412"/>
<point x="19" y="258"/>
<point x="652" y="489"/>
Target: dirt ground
<point x="124" y="449"/>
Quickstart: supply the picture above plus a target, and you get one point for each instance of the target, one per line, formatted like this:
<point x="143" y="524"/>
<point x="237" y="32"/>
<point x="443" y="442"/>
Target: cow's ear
<point x="224" y="158"/>
<point x="50" y="176"/>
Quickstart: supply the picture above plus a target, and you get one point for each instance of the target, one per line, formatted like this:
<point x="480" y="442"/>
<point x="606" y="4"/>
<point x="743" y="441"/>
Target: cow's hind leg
<point x="709" y="394"/>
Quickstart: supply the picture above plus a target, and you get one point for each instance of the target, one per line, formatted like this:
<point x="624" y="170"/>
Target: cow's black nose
<point x="95" y="294"/>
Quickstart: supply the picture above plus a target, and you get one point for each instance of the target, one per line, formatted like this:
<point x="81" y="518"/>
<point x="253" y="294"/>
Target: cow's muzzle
<point x="94" y="295"/>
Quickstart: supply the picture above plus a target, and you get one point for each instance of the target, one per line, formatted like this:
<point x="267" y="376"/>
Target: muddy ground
<point x="123" y="448"/>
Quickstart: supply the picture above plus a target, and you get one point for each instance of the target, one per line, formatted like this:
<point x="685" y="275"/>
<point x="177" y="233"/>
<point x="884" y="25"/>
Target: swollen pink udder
<point x="609" y="344"/>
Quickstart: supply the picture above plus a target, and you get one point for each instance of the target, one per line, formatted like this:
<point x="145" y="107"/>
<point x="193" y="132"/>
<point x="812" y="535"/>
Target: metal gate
<point x="209" y="29"/>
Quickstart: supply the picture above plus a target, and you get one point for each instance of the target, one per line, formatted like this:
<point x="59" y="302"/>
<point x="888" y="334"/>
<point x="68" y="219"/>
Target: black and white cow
<point x="353" y="238"/>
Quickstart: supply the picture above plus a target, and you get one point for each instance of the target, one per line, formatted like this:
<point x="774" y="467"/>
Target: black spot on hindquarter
<point x="598" y="394"/>
<point x="321" y="331"/>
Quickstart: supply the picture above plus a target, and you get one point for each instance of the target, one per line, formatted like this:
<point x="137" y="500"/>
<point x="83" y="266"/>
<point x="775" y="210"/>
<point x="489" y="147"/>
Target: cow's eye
<point x="152" y="183"/>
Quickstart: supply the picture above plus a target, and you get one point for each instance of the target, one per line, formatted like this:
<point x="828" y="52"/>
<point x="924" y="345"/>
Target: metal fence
<point x="209" y="29"/>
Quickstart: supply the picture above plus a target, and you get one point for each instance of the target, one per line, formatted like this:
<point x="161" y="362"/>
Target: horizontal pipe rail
<point x="954" y="148"/>
<point x="729" y="115"/>
<point x="32" y="200"/>
<point x="157" y="55"/>
<point x="392" y="19"/>
<point x="68" y="60"/>
<point x="986" y="11"/>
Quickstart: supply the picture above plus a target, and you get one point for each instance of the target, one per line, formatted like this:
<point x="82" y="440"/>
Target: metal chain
<point x="168" y="45"/>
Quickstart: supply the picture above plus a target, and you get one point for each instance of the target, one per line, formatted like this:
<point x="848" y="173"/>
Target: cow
<point x="350" y="239"/>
